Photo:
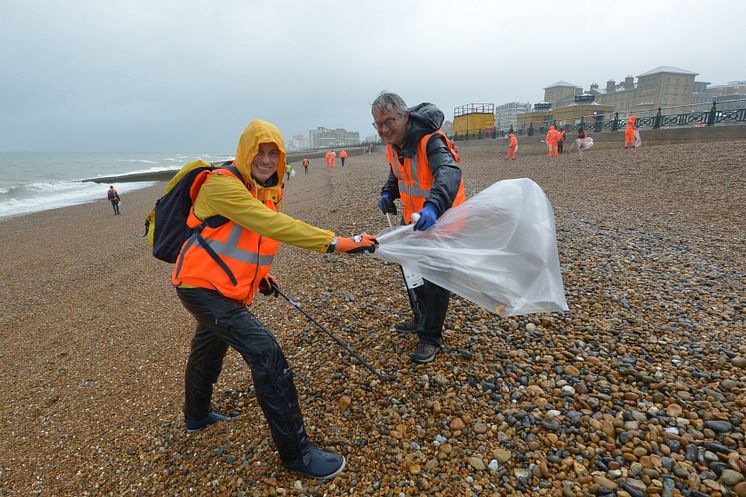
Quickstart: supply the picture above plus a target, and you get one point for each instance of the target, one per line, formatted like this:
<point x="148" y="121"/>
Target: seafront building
<point x="506" y="115"/>
<point x="329" y="138"/>
<point x="664" y="87"/>
<point x="299" y="142"/>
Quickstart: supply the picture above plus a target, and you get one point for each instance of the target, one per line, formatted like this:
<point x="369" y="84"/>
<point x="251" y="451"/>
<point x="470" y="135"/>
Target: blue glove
<point x="428" y="216"/>
<point x="386" y="205"/>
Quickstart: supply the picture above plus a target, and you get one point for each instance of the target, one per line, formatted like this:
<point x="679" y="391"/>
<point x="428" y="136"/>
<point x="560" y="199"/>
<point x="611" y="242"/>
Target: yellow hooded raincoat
<point x="248" y="242"/>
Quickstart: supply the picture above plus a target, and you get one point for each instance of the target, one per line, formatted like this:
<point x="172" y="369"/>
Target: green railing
<point x="599" y="123"/>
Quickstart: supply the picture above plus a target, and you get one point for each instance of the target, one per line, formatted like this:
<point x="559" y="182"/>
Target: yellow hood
<point x="258" y="132"/>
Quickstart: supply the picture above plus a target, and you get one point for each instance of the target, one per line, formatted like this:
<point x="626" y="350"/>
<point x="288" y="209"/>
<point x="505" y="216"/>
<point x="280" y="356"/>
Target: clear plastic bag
<point x="584" y="143"/>
<point x="498" y="249"/>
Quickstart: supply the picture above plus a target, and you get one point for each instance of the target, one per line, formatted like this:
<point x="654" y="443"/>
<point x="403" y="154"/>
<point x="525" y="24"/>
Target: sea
<point x="32" y="182"/>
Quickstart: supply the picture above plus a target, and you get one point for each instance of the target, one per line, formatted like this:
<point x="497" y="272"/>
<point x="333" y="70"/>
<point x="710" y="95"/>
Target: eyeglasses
<point x="388" y="123"/>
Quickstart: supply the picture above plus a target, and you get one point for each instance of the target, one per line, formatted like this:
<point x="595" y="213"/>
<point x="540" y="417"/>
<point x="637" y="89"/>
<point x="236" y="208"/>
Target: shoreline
<point x="157" y="183"/>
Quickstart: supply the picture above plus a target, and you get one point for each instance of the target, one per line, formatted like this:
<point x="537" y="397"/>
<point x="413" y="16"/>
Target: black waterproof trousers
<point x="432" y="307"/>
<point x="223" y="323"/>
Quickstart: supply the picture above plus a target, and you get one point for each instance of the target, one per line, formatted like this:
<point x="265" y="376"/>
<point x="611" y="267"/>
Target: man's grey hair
<point x="387" y="99"/>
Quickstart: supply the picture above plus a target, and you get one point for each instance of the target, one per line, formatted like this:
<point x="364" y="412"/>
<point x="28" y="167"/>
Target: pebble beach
<point x="639" y="389"/>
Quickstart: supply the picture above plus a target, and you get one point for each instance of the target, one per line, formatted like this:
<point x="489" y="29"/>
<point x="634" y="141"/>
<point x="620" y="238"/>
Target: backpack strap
<point x="216" y="222"/>
<point x="220" y="262"/>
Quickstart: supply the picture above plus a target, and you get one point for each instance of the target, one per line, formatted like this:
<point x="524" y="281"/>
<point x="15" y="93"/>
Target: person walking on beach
<point x="343" y="156"/>
<point x="288" y="170"/>
<point x="217" y="295"/>
<point x="113" y="197"/>
<point x="333" y="158"/>
<point x="424" y="173"/>
<point x="306" y="162"/>
<point x="328" y="158"/>
<point x="512" y="147"/>
<point x="551" y="141"/>
<point x="584" y="142"/>
<point x="629" y="131"/>
<point x="560" y="140"/>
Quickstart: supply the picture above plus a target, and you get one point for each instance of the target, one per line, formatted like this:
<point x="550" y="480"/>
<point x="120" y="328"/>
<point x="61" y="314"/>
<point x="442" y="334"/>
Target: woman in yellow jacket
<point x="216" y="291"/>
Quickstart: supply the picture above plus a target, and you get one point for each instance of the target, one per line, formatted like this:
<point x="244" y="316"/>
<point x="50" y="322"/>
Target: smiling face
<point x="264" y="165"/>
<point x="390" y="125"/>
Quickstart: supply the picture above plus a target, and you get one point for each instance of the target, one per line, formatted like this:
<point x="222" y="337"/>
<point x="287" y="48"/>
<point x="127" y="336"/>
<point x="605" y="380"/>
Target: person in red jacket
<point x="513" y="146"/>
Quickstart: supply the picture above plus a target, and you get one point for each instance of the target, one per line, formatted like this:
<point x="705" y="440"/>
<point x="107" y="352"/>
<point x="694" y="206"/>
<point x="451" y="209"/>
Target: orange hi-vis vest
<point x="247" y="255"/>
<point x="415" y="177"/>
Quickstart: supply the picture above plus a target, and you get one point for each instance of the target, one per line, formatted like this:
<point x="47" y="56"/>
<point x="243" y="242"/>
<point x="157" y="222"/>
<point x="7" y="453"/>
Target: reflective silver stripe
<point x="230" y="249"/>
<point x="416" y="190"/>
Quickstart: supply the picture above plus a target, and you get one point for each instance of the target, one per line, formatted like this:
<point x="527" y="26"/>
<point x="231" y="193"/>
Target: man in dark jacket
<point x="428" y="184"/>
<point x="113" y="197"/>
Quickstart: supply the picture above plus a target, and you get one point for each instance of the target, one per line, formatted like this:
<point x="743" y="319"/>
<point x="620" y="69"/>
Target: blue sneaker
<point x="213" y="417"/>
<point x="318" y="464"/>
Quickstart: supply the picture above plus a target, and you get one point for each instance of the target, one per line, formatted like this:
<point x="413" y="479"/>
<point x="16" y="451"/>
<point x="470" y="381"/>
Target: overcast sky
<point x="188" y="75"/>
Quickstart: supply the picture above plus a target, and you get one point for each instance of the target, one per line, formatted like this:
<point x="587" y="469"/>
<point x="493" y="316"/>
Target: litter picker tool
<point x="410" y="291"/>
<point x="334" y="337"/>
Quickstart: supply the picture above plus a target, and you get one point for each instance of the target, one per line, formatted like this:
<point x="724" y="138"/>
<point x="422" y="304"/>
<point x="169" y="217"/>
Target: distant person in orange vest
<point x="560" y="140"/>
<point x="551" y="141"/>
<point x="328" y="158"/>
<point x="513" y="146"/>
<point x="306" y="162"/>
<point x="343" y="156"/>
<point x="333" y="158"/>
<point x="629" y="131"/>
<point x="113" y="197"/>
